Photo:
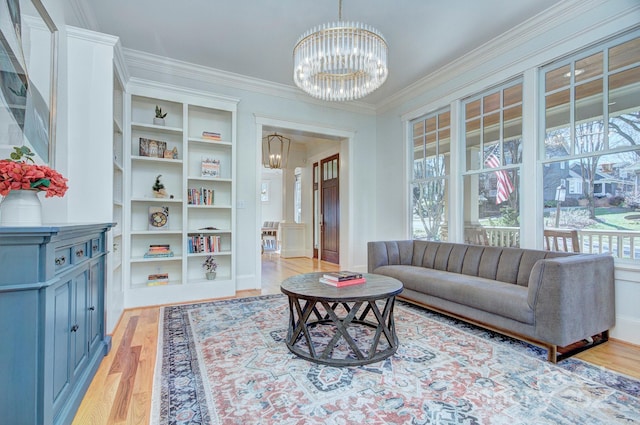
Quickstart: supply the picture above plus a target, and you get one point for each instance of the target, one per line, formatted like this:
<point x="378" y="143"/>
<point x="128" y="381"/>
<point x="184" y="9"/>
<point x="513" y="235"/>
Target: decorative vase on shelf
<point x="21" y="208"/>
<point x="211" y="275"/>
<point x="158" y="121"/>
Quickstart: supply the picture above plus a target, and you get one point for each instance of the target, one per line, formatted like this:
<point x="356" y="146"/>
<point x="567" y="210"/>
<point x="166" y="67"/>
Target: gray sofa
<point x="551" y="299"/>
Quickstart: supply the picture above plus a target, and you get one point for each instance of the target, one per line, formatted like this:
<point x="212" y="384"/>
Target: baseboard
<point x="626" y="330"/>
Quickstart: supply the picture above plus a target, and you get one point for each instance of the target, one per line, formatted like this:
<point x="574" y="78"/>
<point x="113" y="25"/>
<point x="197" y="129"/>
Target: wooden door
<point x="330" y="210"/>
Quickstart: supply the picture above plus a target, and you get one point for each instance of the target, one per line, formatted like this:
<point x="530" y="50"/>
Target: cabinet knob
<point x="80" y="253"/>
<point x="95" y="248"/>
<point x="74" y="328"/>
<point x="60" y="260"/>
<point x="92" y="308"/>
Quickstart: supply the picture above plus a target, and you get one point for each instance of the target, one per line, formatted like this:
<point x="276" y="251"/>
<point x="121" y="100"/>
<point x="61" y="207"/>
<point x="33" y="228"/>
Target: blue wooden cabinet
<point x="52" y="337"/>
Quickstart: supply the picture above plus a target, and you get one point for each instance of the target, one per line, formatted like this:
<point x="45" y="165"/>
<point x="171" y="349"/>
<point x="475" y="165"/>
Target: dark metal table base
<point x="305" y="315"/>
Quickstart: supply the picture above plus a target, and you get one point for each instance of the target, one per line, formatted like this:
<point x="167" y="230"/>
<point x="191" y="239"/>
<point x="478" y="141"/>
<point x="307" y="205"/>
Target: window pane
<point x="472" y="110"/>
<point x="418" y="158"/>
<point x="600" y="201"/>
<point x="492" y="208"/>
<point x="429" y="209"/>
<point x="588" y="67"/>
<point x="624" y="108"/>
<point x="557" y="78"/>
<point x="491" y="103"/>
<point x="418" y="128"/>
<point x="444" y="119"/>
<point x="624" y="54"/>
<point x="491" y="128"/>
<point x="513" y="95"/>
<point x="557" y="141"/>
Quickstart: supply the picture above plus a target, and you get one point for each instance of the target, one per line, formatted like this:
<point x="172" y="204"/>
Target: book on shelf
<point x="158" y="279"/>
<point x="201" y="196"/>
<point x="342" y="276"/>
<point x="341" y="283"/>
<point x="158" y="251"/>
<point x="210" y="167"/>
<point x="203" y="243"/>
<point x="211" y="135"/>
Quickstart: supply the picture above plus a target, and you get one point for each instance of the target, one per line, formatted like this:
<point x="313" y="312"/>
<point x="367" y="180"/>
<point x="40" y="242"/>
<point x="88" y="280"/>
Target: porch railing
<point x="621" y="244"/>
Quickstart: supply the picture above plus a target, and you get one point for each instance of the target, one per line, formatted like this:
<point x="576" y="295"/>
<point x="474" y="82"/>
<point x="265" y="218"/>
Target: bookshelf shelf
<point x="148" y="150"/>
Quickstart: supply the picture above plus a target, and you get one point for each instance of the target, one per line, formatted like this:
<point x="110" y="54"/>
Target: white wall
<point x="272" y="210"/>
<point x="565" y="29"/>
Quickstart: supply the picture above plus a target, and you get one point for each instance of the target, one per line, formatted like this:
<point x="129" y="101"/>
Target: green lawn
<point x="613" y="219"/>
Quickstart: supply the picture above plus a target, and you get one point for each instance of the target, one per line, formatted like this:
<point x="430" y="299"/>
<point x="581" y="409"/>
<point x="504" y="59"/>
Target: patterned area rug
<point x="225" y="362"/>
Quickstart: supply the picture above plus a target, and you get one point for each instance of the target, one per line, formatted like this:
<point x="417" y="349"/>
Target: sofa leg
<point x="552" y="354"/>
<point x="595" y="340"/>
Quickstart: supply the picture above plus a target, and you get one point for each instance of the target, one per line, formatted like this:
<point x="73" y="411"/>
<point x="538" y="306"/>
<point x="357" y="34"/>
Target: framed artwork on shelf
<point x="158" y="218"/>
<point x="210" y="167"/>
<point x="153" y="148"/>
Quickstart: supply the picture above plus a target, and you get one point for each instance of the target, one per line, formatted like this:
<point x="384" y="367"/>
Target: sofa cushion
<point x="504" y="299"/>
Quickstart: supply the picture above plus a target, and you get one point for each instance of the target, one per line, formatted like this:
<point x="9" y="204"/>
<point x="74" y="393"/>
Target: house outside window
<point x="493" y="154"/>
<point x="591" y="138"/>
<point x="429" y="180"/>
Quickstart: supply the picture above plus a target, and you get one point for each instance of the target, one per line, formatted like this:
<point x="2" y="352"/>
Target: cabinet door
<point x="61" y="342"/>
<point x="79" y="322"/>
<point x="94" y="311"/>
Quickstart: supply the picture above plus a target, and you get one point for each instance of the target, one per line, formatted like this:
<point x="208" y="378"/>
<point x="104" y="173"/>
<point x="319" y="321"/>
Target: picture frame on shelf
<point x="159" y="218"/>
<point x="171" y="154"/>
<point x="210" y="167"/>
<point x="152" y="148"/>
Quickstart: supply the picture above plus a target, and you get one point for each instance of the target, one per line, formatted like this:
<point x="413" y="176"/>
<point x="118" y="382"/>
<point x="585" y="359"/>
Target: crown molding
<point x="90" y="35"/>
<point x="149" y="62"/>
<point x="120" y="65"/>
<point x="498" y="47"/>
<point x="136" y="83"/>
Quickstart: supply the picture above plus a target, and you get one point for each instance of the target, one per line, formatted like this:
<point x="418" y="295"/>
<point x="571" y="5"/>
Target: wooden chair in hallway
<point x="561" y="240"/>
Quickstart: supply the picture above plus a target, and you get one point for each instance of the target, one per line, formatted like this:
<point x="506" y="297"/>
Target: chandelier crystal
<point x="340" y="61"/>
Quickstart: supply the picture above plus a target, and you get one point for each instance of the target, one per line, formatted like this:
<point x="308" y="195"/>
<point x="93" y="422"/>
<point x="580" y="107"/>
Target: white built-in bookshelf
<point x="115" y="242"/>
<point x="197" y="216"/>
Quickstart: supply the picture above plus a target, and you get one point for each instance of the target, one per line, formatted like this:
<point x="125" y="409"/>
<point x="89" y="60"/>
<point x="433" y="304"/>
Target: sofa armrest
<point x="377" y="255"/>
<point x="573" y="297"/>
<point x="384" y="253"/>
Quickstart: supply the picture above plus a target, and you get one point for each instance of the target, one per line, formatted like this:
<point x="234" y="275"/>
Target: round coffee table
<point x="357" y="321"/>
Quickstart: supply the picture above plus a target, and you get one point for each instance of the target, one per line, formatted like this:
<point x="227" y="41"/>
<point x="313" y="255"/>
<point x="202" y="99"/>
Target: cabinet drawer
<point x="96" y="246"/>
<point x="80" y="252"/>
<point x="62" y="259"/>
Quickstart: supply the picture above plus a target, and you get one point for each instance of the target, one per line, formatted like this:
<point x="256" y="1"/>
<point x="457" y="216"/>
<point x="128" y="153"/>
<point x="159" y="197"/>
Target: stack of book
<point x="210" y="135"/>
<point x="157" y="251"/>
<point x="203" y="243"/>
<point x="202" y="196"/>
<point x="158" y="279"/>
<point x="343" y="278"/>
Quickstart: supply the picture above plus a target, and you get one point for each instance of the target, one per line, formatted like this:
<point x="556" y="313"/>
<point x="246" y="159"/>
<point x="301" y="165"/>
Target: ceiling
<point x="256" y="38"/>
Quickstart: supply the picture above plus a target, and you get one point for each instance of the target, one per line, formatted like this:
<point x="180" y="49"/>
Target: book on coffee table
<point x="342" y="283"/>
<point x="342" y="276"/>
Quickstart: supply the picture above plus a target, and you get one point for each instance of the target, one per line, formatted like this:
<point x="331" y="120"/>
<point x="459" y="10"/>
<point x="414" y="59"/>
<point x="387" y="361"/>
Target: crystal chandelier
<point x="340" y="60"/>
<point x="275" y="151"/>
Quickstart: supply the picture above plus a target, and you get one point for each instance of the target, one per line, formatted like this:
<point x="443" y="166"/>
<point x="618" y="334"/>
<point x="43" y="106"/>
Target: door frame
<point x="346" y="179"/>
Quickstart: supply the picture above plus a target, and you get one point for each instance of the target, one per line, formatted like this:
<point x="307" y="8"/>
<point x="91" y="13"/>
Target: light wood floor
<point x="120" y="393"/>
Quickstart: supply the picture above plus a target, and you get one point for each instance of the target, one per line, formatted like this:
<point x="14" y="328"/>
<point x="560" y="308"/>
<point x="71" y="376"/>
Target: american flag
<point x="504" y="185"/>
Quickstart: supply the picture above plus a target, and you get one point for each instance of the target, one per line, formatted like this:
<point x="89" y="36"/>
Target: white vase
<point x="211" y="275"/>
<point x="21" y="208"/>
<point x="158" y="121"/>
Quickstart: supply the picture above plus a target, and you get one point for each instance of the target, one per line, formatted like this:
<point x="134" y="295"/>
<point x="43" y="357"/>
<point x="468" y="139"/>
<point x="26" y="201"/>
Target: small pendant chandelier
<point x="340" y="61"/>
<point x="275" y="151"/>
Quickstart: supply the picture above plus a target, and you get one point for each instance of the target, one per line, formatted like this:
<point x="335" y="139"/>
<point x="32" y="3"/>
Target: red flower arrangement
<point x="17" y="174"/>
